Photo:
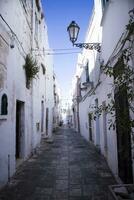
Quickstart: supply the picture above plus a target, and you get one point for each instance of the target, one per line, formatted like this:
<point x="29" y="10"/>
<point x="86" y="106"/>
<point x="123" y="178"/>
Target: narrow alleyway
<point x="67" y="169"/>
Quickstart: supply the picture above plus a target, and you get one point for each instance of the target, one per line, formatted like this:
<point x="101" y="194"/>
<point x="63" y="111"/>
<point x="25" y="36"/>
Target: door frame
<point x="123" y="131"/>
<point x="20" y="129"/>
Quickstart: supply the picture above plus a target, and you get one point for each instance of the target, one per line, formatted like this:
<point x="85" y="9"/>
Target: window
<point x="104" y="115"/>
<point x="87" y="72"/>
<point x="37" y="126"/>
<point x="104" y="3"/>
<point x="97" y="124"/>
<point x="79" y="89"/>
<point x="4" y="104"/>
<point x="43" y="68"/>
<point x="36" y="26"/>
<point x="90" y="127"/>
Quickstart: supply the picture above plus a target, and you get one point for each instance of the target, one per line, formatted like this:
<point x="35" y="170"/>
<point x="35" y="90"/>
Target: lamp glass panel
<point x="76" y="32"/>
<point x="73" y="30"/>
<point x="72" y="33"/>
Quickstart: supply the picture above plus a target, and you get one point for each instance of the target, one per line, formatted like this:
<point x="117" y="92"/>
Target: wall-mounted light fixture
<point x="73" y="30"/>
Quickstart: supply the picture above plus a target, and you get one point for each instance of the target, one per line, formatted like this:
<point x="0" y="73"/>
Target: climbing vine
<point x="123" y="81"/>
<point x="31" y="69"/>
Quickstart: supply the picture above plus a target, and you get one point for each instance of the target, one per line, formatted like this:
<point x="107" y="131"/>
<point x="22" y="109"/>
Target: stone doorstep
<point x="75" y="192"/>
<point x="123" y="191"/>
<point x="105" y="174"/>
<point x="19" y="162"/>
<point x="49" y="140"/>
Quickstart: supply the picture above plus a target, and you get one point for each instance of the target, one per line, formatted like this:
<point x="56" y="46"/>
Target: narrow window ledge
<point x="3" y="117"/>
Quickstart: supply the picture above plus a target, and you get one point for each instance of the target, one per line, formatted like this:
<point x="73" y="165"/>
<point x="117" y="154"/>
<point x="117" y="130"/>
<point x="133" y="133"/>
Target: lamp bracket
<point x="91" y="46"/>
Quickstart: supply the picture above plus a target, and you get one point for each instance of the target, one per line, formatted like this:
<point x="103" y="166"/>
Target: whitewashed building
<point x="25" y="109"/>
<point x="93" y="88"/>
<point x="57" y="116"/>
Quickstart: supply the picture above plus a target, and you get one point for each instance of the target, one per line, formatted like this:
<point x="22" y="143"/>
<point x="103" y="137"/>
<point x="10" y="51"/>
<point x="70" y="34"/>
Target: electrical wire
<point x="61" y="49"/>
<point x="4" y="40"/>
<point x="13" y="33"/>
<point x="49" y="54"/>
<point x="6" y="23"/>
<point x="51" y="50"/>
<point x="55" y="49"/>
<point x="61" y="53"/>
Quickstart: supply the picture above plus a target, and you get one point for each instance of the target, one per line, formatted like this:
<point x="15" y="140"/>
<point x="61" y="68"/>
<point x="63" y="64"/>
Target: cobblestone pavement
<point x="67" y="169"/>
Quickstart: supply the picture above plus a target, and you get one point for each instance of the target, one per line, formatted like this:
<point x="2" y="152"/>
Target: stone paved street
<point x="67" y="169"/>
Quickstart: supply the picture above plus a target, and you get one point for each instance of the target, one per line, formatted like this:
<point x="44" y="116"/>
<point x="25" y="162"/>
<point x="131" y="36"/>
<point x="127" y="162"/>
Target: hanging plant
<point x="31" y="69"/>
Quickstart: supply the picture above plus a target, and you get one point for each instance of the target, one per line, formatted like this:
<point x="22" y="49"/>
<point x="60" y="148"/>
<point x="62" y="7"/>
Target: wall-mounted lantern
<point x="73" y="30"/>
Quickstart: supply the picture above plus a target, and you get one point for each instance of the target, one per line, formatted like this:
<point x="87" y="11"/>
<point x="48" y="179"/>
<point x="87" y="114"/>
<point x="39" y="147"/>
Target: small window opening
<point x="4" y="104"/>
<point x="87" y="72"/>
<point x="104" y="3"/>
<point x="43" y="69"/>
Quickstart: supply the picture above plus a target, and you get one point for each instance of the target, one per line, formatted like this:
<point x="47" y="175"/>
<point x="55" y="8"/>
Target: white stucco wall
<point x="106" y="26"/>
<point x="13" y="83"/>
<point x="114" y="20"/>
<point x="49" y="93"/>
<point x="14" y="87"/>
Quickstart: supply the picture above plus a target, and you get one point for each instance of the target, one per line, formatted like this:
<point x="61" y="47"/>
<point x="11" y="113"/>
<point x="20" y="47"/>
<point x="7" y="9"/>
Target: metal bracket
<point x="90" y="46"/>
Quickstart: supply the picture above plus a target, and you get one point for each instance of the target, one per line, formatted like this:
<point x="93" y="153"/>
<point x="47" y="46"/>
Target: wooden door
<point x="123" y="137"/>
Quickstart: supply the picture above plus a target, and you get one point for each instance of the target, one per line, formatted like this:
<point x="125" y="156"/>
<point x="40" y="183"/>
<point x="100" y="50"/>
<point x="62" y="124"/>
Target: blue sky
<point x="59" y="14"/>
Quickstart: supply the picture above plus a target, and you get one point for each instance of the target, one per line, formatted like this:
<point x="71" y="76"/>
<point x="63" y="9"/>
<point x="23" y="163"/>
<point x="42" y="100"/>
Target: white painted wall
<point x="14" y="86"/>
<point x="105" y="26"/>
<point x="57" y="118"/>
<point x="49" y="93"/>
<point x="13" y="82"/>
<point x="114" y="20"/>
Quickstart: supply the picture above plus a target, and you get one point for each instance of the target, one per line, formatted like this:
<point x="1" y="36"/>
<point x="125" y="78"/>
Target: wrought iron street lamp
<point x="73" y="30"/>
